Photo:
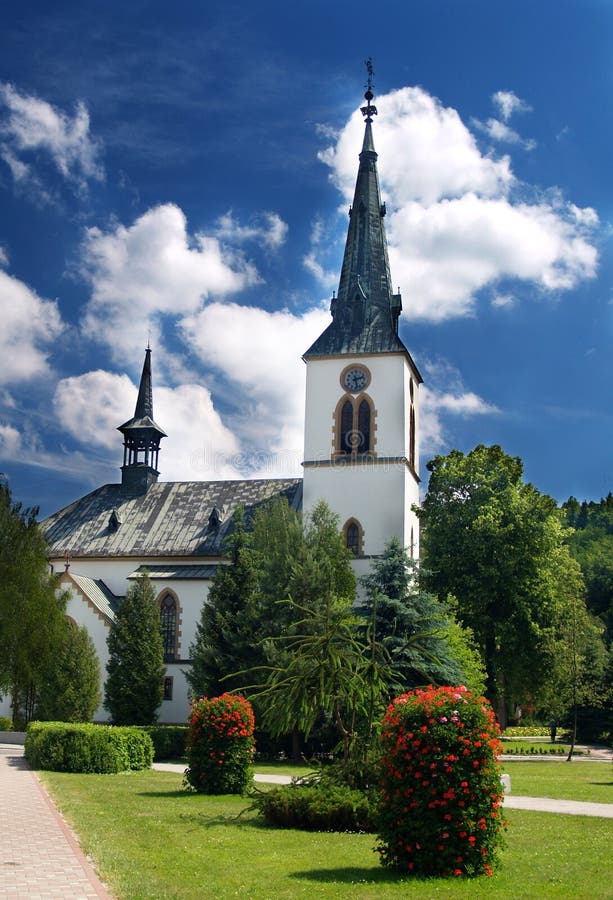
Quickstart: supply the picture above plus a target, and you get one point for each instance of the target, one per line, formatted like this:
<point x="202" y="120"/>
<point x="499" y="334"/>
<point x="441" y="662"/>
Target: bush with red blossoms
<point x="220" y="745"/>
<point x="440" y="810"/>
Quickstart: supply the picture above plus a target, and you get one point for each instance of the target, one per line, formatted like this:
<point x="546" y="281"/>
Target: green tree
<point x="411" y="624"/>
<point x="227" y="637"/>
<point x="31" y="608"/>
<point x="71" y="689"/>
<point x="497" y="545"/>
<point x="135" y="669"/>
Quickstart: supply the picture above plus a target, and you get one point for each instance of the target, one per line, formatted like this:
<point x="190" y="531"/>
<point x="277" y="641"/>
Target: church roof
<point x="172" y="518"/>
<point x="365" y="312"/>
<point x="97" y="593"/>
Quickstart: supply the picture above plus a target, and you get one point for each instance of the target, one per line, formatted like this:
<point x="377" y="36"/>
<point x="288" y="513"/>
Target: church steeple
<point x="141" y="437"/>
<point x="365" y="312"/>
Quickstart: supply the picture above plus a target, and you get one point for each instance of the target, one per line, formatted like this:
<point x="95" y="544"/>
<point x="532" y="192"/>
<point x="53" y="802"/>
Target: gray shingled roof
<point x="170" y="519"/>
<point x="187" y="572"/>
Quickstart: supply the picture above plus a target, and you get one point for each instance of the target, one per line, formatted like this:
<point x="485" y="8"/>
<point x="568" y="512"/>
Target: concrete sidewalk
<point x="540" y="804"/>
<point x="39" y="856"/>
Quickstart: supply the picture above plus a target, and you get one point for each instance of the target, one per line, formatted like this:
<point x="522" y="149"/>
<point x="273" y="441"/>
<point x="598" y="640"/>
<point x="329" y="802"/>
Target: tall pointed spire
<point x="141" y="437"/>
<point x="365" y="312"/>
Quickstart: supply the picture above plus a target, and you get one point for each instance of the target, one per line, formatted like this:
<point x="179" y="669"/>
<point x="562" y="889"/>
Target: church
<point x="360" y="455"/>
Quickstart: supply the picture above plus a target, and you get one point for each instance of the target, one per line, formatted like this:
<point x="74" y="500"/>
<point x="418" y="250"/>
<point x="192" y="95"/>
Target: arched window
<point x="412" y="437"/>
<point x="364" y="427"/>
<point x="354" y="426"/>
<point x="168" y="622"/>
<point x="353" y="536"/>
<point x="346" y="427"/>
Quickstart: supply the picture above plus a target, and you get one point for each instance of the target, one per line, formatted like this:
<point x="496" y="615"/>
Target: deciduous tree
<point x="31" y="608"/>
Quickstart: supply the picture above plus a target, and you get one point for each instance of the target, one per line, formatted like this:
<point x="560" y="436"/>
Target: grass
<point x="152" y="840"/>
<point x="592" y="781"/>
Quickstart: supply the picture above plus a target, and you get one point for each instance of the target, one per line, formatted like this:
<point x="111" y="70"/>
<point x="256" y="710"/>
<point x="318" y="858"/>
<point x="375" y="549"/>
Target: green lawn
<point x="576" y="780"/>
<point x="151" y="840"/>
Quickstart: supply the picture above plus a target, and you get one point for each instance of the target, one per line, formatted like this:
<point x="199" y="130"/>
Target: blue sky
<point x="182" y="173"/>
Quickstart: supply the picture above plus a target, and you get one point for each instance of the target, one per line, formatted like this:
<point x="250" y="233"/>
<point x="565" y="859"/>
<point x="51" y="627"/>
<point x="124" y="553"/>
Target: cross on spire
<point x="369" y="110"/>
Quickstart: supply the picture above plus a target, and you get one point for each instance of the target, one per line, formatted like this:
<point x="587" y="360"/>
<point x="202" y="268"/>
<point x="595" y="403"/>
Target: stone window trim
<point x="349" y="442"/>
<point x="353" y="536"/>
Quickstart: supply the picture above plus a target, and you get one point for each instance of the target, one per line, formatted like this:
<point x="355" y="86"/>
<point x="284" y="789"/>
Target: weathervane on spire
<point x="369" y="110"/>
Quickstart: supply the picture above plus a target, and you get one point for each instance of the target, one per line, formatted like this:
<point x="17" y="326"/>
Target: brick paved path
<point x="39" y="856"/>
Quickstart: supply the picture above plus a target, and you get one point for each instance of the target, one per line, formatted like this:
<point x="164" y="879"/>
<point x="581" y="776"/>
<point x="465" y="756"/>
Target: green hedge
<point x="6" y="723"/>
<point x="64" y="747"/>
<point x="317" y="808"/>
<point x="169" y="741"/>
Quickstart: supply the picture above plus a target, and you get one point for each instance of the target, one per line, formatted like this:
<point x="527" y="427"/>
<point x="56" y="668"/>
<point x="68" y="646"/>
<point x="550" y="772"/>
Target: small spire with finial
<point x="369" y="110"/>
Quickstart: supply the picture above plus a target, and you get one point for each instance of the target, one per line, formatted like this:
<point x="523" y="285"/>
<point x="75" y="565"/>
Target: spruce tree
<point x="71" y="691"/>
<point x="135" y="670"/>
<point x="227" y="632"/>
<point x="409" y="623"/>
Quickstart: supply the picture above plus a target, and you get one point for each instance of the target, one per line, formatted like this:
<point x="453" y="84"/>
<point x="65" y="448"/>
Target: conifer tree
<point x="135" y="670"/>
<point x="226" y="634"/>
<point x="410" y="624"/>
<point x="71" y="689"/>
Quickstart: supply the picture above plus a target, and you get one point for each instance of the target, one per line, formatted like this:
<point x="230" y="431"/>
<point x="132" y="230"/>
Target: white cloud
<point x="436" y="405"/>
<point x="454" y="223"/>
<point x="10" y="442"/>
<point x="508" y="103"/>
<point x="90" y="407"/>
<point x="500" y="131"/>
<point x="426" y="150"/>
<point x="29" y="327"/>
<point x="151" y="269"/>
<point x="267" y="228"/>
<point x="260" y="352"/>
<point x="31" y="126"/>
<point x="4" y="256"/>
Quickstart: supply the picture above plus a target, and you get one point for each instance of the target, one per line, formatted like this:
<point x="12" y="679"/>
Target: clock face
<point x="355" y="379"/>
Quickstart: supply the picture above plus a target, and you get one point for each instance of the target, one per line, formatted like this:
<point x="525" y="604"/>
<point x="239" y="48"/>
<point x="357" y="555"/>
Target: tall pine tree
<point x="135" y="670"/>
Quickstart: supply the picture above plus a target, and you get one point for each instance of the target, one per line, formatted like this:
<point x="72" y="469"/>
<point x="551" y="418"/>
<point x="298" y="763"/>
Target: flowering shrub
<point x="441" y="793"/>
<point x="220" y="745"/>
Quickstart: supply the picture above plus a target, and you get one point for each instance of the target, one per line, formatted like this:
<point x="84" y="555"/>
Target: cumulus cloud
<point x="90" y="407"/>
<point x="267" y="228"/>
<point x="150" y="269"/>
<point x="260" y="352"/>
<point x="31" y="128"/>
<point x="29" y="327"/>
<point x="457" y="220"/>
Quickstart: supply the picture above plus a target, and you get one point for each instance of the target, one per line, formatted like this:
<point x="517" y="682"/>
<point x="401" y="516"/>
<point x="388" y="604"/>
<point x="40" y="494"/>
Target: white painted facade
<point x="378" y="490"/>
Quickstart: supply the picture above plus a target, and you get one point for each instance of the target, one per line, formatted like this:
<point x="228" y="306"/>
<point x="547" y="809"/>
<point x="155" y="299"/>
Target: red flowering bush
<point x="220" y="745"/>
<point x="441" y="793"/>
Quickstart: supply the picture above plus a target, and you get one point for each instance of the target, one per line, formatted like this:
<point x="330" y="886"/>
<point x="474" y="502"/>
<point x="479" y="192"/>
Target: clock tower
<point x="361" y="426"/>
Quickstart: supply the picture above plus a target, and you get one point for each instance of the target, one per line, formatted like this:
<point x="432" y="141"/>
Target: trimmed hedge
<point x="66" y="747"/>
<point x="169" y="741"/>
<point x="317" y="808"/>
<point x="6" y="723"/>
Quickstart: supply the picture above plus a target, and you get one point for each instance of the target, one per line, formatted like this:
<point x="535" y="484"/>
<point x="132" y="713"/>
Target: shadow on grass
<point x="354" y="875"/>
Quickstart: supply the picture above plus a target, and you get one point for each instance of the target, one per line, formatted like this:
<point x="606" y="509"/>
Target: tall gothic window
<point x="168" y="620"/>
<point x="353" y="536"/>
<point x="354" y="426"/>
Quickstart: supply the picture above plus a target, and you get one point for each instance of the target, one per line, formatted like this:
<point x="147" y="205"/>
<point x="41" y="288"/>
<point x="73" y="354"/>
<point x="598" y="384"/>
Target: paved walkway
<point x="41" y="859"/>
<point x="39" y="856"/>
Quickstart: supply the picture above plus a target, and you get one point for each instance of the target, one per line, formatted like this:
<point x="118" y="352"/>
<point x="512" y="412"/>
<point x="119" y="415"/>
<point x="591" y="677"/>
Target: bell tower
<point x="141" y="437"/>
<point x="361" y="426"/>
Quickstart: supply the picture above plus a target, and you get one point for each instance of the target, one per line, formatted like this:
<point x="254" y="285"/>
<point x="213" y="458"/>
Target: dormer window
<point x="114" y="521"/>
<point x="215" y="518"/>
